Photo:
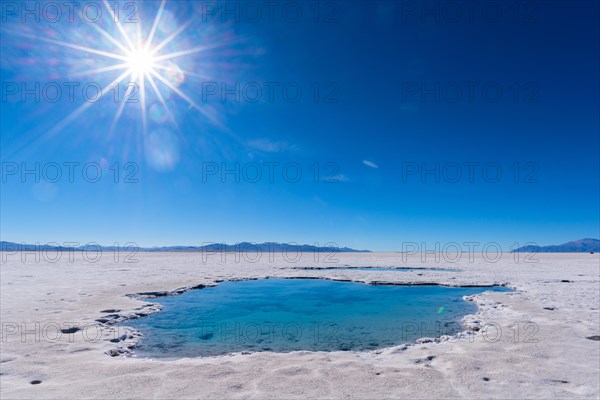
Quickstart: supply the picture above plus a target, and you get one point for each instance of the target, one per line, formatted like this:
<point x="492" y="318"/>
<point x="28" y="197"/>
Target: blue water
<point x="299" y="314"/>
<point x="398" y="269"/>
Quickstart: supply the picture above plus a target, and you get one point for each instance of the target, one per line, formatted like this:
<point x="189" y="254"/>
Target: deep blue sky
<point x="373" y="59"/>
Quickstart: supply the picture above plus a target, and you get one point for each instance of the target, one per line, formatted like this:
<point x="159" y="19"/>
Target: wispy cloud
<point x="319" y="201"/>
<point x="336" y="178"/>
<point x="370" y="164"/>
<point x="270" y="146"/>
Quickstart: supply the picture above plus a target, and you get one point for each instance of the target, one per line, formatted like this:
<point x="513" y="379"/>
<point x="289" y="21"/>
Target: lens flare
<point x="162" y="150"/>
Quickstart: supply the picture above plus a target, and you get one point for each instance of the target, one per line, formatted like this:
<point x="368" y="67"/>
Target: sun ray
<point x="69" y="118"/>
<point x="138" y="31"/>
<point x="101" y="70"/>
<point x="110" y="38"/>
<point x="161" y="99"/>
<point x="172" y="36"/>
<point x="155" y="24"/>
<point x="184" y="53"/>
<point x="119" y="25"/>
<point x="185" y="72"/>
<point x="75" y="46"/>
<point x="184" y="96"/>
<point x="120" y="109"/>
<point x="176" y="90"/>
<point x="142" y="81"/>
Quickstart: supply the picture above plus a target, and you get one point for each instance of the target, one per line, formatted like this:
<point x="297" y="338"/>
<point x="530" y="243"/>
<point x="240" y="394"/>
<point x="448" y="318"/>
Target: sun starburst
<point x="139" y="61"/>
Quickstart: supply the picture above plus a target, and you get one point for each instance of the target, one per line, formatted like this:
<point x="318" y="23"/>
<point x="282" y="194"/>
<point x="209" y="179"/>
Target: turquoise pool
<point x="285" y="315"/>
<point x="396" y="269"/>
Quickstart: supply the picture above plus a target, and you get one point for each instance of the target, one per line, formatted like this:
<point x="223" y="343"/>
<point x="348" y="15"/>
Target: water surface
<point x="299" y="314"/>
<point x="397" y="269"/>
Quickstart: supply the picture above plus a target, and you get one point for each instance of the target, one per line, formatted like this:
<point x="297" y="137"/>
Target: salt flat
<point x="531" y="343"/>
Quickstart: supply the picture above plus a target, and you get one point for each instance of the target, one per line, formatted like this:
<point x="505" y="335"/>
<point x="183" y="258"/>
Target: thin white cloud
<point x="269" y="146"/>
<point x="319" y="201"/>
<point x="336" y="178"/>
<point x="370" y="164"/>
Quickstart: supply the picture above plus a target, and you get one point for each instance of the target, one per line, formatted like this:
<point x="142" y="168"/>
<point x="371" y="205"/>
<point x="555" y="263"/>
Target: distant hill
<point x="244" y="246"/>
<point x="577" y="246"/>
<point x="263" y="247"/>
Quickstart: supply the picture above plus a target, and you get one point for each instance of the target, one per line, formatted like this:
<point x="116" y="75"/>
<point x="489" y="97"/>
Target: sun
<point x="141" y="62"/>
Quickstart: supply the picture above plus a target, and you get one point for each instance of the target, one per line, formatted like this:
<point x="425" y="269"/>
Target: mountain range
<point x="243" y="246"/>
<point x="576" y="246"/>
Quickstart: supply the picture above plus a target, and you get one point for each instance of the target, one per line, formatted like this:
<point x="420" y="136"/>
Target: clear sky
<point x="407" y="114"/>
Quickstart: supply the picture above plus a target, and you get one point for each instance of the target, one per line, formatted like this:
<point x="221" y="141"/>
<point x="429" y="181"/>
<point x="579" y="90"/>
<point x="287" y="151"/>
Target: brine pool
<point x="396" y="269"/>
<point x="284" y="315"/>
